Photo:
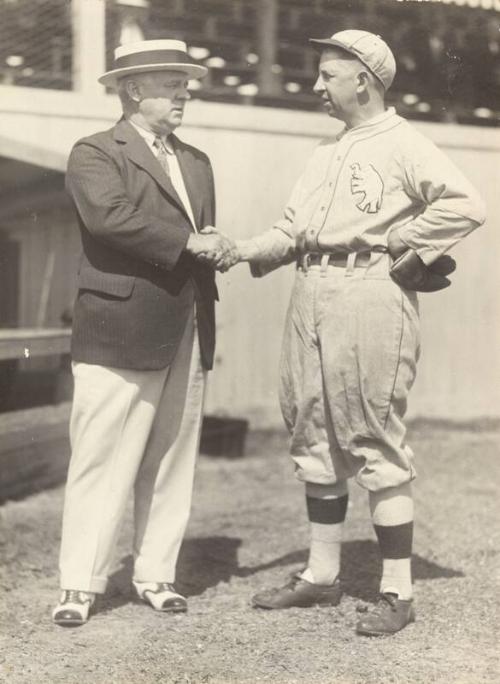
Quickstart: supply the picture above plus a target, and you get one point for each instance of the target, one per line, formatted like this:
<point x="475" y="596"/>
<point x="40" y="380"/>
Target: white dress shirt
<point x="173" y="165"/>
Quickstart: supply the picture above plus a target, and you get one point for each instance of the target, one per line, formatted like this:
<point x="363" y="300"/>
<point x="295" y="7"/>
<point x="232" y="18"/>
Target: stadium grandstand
<point x="448" y="51"/>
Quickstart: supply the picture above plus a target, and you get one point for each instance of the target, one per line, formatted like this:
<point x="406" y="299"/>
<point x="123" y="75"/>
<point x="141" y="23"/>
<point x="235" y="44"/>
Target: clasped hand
<point x="211" y="247"/>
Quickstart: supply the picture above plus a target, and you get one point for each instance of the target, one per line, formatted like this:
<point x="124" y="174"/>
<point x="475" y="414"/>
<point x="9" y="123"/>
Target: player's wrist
<point x="245" y="250"/>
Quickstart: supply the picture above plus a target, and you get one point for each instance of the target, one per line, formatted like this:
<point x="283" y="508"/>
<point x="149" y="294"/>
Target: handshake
<point x="213" y="248"/>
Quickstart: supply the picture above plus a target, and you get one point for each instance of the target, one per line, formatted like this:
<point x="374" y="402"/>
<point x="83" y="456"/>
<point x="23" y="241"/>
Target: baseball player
<point x="368" y="222"/>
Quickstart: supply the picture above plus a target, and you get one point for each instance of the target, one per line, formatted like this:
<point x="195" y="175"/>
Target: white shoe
<point x="161" y="596"/>
<point x="73" y="608"/>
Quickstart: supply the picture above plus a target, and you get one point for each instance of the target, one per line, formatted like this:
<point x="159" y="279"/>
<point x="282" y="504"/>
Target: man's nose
<point x="319" y="86"/>
<point x="184" y="94"/>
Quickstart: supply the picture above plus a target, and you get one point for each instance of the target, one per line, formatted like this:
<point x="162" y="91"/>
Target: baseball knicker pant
<point x="350" y="349"/>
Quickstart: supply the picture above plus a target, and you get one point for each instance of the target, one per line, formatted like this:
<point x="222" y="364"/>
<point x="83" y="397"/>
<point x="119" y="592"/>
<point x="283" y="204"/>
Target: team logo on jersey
<point x="368" y="185"/>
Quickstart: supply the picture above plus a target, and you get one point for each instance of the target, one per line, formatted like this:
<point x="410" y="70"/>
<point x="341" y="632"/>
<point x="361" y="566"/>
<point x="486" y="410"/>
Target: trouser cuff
<point x="95" y="585"/>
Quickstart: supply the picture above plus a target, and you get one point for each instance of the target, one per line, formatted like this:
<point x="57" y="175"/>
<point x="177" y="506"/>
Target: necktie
<point x="162" y="154"/>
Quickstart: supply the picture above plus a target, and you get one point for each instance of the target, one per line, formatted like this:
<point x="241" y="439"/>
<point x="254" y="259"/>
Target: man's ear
<point x="363" y="81"/>
<point x="133" y="89"/>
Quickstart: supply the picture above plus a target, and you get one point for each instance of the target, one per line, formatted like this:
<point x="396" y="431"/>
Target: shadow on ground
<point x="205" y="562"/>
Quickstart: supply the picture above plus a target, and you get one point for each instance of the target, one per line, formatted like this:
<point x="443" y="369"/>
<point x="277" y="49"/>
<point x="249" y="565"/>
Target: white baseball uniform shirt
<point x="368" y="180"/>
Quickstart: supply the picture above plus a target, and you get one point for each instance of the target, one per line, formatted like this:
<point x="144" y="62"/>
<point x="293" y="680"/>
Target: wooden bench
<point x="34" y="443"/>
<point x="34" y="450"/>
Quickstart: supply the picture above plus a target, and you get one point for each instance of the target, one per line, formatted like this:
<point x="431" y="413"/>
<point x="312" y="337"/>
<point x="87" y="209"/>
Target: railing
<point x="25" y="343"/>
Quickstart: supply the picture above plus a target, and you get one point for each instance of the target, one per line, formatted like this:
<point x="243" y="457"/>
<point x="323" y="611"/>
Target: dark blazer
<point x="136" y="283"/>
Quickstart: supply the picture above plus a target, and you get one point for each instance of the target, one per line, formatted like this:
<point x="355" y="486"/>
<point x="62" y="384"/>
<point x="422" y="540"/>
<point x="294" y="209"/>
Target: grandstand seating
<point x="448" y="55"/>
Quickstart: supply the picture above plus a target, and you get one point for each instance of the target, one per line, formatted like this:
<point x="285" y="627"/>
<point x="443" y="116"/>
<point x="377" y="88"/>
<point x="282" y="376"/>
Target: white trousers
<point x="131" y="431"/>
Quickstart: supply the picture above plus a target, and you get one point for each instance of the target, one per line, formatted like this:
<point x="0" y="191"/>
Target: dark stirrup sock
<point x="326" y="516"/>
<point x="328" y="511"/>
<point x="395" y="542"/>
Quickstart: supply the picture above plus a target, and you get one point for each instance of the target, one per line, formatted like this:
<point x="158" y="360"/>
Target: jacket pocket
<point x="114" y="284"/>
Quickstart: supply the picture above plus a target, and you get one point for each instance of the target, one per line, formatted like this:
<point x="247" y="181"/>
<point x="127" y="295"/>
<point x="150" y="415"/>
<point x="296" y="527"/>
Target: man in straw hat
<point x="143" y="331"/>
<point x="368" y="222"/>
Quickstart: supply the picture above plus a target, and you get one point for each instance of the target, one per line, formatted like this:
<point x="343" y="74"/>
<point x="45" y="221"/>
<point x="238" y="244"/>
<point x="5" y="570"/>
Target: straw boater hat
<point x="152" y="55"/>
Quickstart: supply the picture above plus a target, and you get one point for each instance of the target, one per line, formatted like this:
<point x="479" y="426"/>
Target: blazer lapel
<point x="193" y="184"/>
<point x="139" y="154"/>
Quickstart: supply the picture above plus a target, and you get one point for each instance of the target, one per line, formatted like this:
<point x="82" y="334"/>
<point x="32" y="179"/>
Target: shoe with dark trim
<point x="73" y="608"/>
<point x="299" y="593"/>
<point x="161" y="596"/>
<point x="389" y="616"/>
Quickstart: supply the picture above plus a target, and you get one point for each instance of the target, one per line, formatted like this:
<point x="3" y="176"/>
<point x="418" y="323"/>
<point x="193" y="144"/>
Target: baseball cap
<point x="368" y="48"/>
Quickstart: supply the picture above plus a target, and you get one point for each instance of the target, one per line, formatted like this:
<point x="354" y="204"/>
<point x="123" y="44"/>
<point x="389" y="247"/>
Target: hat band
<point x="152" y="57"/>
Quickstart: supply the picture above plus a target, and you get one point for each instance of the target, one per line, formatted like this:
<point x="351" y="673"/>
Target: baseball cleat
<point x="300" y="593"/>
<point x="389" y="616"/>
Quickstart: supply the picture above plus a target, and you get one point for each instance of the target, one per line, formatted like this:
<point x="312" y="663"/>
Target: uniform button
<point x="330" y="185"/>
<point x="339" y="158"/>
<point x="323" y="208"/>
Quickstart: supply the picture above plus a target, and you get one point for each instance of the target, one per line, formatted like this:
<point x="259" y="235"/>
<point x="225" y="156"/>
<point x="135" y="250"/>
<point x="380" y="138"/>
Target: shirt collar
<point x="374" y="121"/>
<point x="150" y="137"/>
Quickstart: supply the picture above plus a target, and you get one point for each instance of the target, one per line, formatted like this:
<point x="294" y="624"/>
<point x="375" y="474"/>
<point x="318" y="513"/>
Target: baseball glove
<point x="410" y="272"/>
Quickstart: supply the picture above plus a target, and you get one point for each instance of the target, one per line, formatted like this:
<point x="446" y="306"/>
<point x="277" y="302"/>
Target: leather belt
<point x="334" y="259"/>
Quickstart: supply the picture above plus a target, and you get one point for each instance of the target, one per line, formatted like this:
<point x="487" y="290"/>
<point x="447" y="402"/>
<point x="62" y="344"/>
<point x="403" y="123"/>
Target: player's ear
<point x="363" y="81"/>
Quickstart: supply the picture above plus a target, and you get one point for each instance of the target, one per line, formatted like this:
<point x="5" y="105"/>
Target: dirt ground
<point x="249" y="530"/>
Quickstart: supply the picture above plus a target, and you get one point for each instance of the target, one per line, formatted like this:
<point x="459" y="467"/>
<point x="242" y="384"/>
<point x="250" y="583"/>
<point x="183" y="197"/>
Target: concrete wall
<point x="459" y="373"/>
<point x="257" y="155"/>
